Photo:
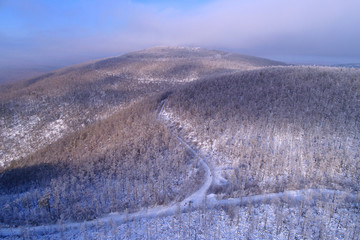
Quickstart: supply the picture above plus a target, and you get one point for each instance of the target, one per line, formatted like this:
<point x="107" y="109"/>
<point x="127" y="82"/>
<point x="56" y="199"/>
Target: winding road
<point x="196" y="200"/>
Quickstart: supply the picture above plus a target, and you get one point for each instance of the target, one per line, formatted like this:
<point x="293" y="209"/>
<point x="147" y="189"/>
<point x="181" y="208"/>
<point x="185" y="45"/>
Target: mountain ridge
<point x="77" y="95"/>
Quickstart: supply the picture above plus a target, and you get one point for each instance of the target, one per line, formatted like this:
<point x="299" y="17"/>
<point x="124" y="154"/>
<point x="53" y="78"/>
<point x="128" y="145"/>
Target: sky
<point x="64" y="32"/>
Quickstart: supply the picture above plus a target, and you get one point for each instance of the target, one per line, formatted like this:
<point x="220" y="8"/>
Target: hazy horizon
<point x="12" y="73"/>
<point x="57" y="34"/>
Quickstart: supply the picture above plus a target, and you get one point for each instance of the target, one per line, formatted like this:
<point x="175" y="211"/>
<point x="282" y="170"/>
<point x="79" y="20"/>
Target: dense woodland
<point x="277" y="128"/>
<point x="127" y="161"/>
<point x="264" y="130"/>
<point x="29" y="115"/>
<point x="38" y="111"/>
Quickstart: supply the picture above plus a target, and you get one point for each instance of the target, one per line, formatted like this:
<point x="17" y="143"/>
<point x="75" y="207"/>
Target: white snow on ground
<point x="28" y="135"/>
<point x="242" y="218"/>
<point x="54" y="129"/>
<point x="108" y="112"/>
<point x="148" y="79"/>
<point x="194" y="200"/>
<point x="197" y="198"/>
<point x="203" y="146"/>
<point x="123" y="223"/>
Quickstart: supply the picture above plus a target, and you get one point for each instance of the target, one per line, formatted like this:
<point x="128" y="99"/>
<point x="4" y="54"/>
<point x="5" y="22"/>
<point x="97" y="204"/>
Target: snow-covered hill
<point x="181" y="143"/>
<point x="70" y="98"/>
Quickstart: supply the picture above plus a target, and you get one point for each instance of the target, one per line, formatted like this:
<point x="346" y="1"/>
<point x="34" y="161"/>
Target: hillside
<point x="182" y="143"/>
<point x="277" y="128"/>
<point x="126" y="161"/>
<point x="41" y="110"/>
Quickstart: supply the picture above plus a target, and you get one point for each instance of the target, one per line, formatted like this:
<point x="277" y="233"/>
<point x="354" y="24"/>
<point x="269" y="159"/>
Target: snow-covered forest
<point x="181" y="143"/>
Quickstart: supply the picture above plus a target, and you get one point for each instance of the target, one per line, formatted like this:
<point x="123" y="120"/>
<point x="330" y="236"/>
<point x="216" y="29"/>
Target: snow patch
<point x="21" y="138"/>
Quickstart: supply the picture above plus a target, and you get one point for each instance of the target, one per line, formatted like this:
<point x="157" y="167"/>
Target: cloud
<point x="321" y="27"/>
<point x="88" y="29"/>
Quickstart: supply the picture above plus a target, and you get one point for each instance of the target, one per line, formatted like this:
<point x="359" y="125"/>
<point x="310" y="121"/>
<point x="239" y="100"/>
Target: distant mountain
<point x="13" y="74"/>
<point x="348" y="65"/>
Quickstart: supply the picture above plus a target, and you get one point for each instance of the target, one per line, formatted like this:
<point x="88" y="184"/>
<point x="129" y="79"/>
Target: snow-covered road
<point x="197" y="200"/>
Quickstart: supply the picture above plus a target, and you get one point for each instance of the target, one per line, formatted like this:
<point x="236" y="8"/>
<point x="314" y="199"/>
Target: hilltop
<point x="40" y="110"/>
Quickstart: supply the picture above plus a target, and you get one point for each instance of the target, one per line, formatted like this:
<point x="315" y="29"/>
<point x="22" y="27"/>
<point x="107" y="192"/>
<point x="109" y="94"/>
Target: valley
<point x="181" y="143"/>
